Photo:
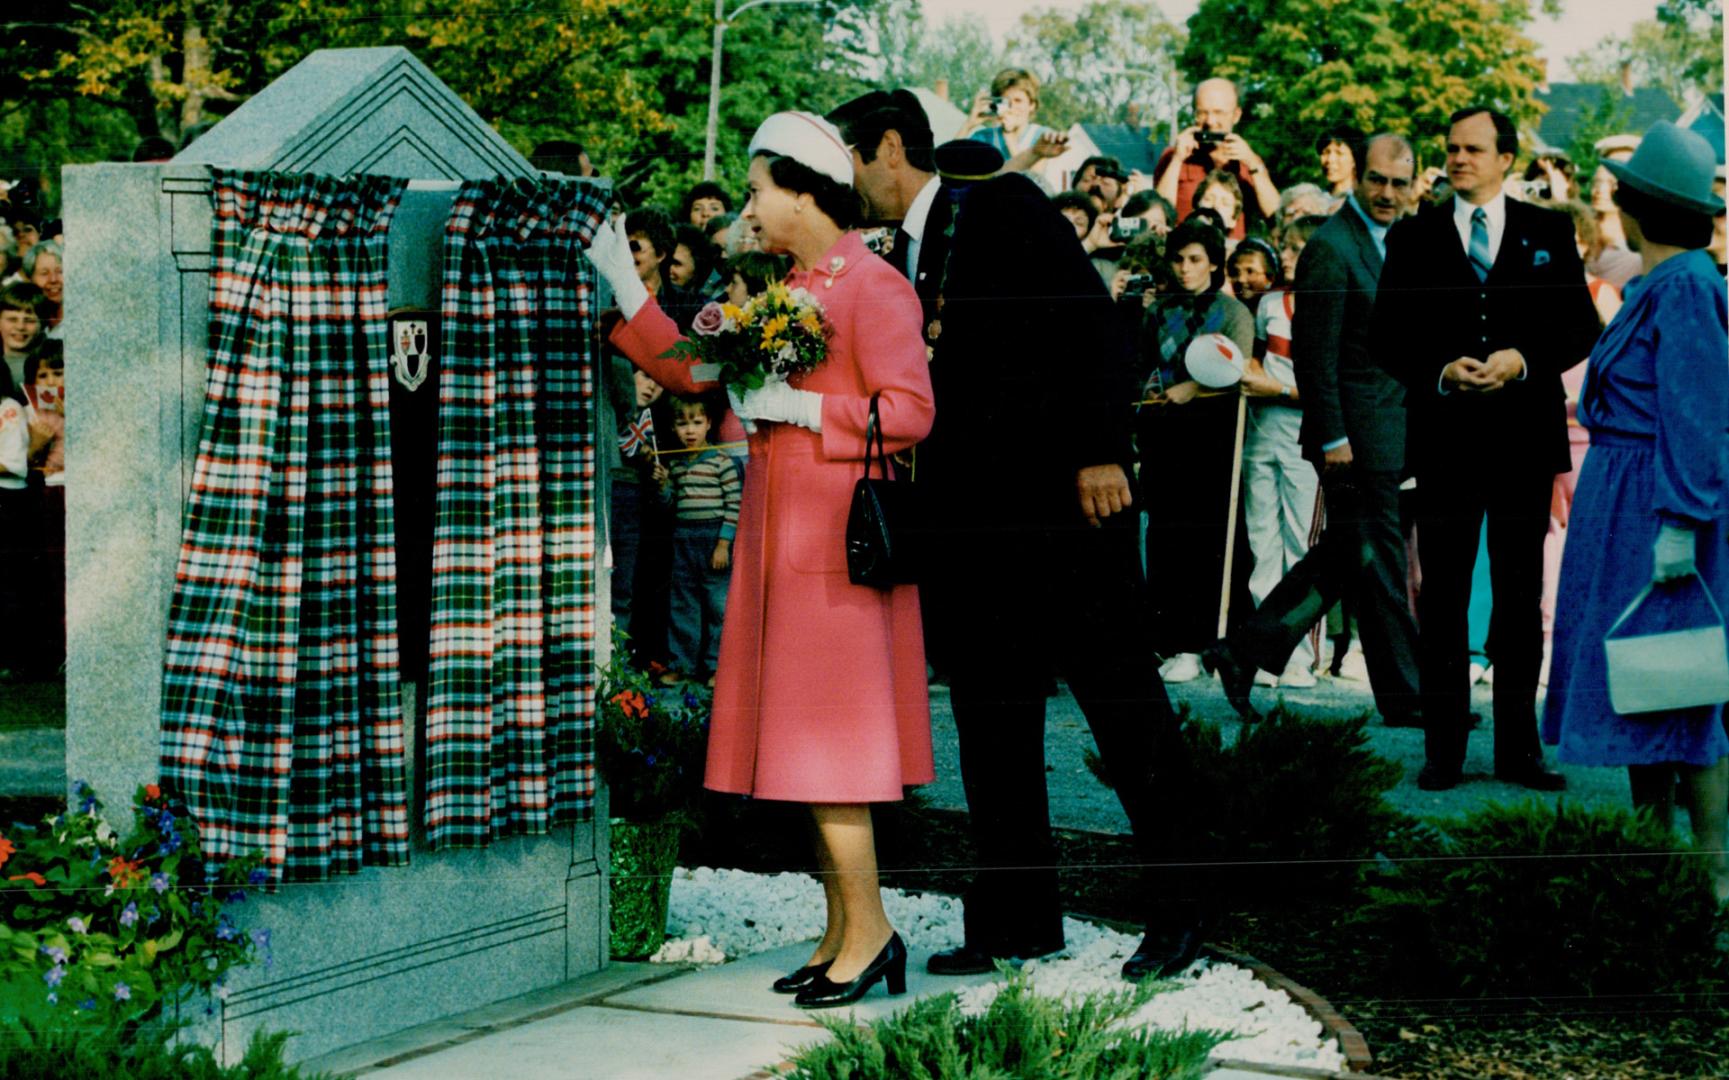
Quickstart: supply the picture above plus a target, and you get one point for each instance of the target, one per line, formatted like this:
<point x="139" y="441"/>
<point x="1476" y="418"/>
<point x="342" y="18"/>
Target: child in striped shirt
<point x="703" y="484"/>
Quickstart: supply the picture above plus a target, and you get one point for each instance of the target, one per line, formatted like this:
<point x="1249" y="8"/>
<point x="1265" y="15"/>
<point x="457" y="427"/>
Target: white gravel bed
<point x="719" y="915"/>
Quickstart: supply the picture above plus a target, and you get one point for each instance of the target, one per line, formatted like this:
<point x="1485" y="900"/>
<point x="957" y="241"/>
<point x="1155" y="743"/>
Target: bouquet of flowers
<point x="777" y="333"/>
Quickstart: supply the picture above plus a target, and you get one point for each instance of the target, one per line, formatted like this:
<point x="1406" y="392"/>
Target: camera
<point x="999" y="106"/>
<point x="1206" y="140"/>
<point x="1140" y="284"/>
<point x="1125" y="229"/>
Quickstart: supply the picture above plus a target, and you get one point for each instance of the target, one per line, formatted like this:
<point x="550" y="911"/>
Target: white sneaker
<point x="1266" y="678"/>
<point x="1477" y="672"/>
<point x="1353" y="666"/>
<point x="1488" y="678"/>
<point x="1298" y="677"/>
<point x="1183" y="667"/>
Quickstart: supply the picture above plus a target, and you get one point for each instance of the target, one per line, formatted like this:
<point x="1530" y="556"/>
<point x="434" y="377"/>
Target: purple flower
<point x="77" y="925"/>
<point x="54" y="953"/>
<point x="53" y="998"/>
<point x="258" y="876"/>
<point x="159" y="882"/>
<point x="225" y="930"/>
<point x="235" y="896"/>
<point x="165" y="823"/>
<point x="261" y="938"/>
<point x="710" y="321"/>
<point x="129" y="917"/>
<point x="87" y="1004"/>
<point x="54" y="974"/>
<point x="122" y="992"/>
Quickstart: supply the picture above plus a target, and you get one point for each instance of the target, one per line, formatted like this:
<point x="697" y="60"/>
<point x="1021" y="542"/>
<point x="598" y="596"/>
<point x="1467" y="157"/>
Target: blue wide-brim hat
<point x="1672" y="165"/>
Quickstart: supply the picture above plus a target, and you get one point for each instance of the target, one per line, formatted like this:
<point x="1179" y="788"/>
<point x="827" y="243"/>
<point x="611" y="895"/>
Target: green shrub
<point x="1021" y="1034"/>
<point x="32" y="1052"/>
<point x="1529" y="900"/>
<point x="650" y="740"/>
<point x="104" y="928"/>
<point x="1291" y="810"/>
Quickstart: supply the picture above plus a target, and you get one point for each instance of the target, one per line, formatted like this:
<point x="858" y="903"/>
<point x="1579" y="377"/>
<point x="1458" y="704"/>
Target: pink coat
<point x="820" y="692"/>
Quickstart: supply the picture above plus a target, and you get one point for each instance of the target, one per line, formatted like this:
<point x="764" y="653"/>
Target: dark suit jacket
<point x="1431" y="310"/>
<point x="1031" y="370"/>
<point x="1346" y="394"/>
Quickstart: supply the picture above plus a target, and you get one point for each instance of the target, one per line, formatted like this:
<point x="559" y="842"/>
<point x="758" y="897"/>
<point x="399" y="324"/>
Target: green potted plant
<point x="650" y="742"/>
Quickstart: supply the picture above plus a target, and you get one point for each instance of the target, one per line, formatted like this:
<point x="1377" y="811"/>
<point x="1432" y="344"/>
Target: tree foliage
<point x="1112" y="61"/>
<point x="1304" y="65"/>
<point x="1680" y="52"/>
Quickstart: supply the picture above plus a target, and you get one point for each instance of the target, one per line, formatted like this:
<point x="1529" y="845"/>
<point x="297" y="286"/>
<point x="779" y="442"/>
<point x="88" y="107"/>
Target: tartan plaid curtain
<point x="281" y="721"/>
<point x="510" y="702"/>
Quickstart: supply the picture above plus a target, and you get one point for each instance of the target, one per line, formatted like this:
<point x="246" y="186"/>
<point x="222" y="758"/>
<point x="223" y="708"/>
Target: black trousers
<point x="1450" y="513"/>
<point x="1012" y="609"/>
<point x="1360" y="558"/>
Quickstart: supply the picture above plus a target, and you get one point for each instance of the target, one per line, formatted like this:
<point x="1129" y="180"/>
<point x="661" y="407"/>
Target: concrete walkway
<point x="641" y="1022"/>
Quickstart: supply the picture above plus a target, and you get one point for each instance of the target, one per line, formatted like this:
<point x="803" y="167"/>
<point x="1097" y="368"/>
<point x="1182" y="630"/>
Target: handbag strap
<point x="874" y="433"/>
<point x="1646" y="592"/>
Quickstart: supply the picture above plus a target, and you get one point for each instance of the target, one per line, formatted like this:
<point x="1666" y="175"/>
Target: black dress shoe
<point x="968" y="960"/>
<point x="1435" y="777"/>
<point x="1532" y="775"/>
<point x="890" y="966"/>
<point x="798" y="980"/>
<point x="1237" y="678"/>
<point x="1162" y="955"/>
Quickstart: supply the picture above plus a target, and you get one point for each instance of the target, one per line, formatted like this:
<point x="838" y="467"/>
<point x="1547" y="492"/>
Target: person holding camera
<point x="1002" y="117"/>
<point x="1213" y="144"/>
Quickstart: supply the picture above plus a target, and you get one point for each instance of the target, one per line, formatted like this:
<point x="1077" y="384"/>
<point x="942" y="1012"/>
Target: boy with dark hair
<point x="704" y="488"/>
<point x="20" y="333"/>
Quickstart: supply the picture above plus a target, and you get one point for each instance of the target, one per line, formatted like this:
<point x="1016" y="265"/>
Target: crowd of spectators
<point x="32" y="437"/>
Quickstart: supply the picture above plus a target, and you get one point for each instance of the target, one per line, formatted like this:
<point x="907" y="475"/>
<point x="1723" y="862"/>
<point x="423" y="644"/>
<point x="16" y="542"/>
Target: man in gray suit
<point x="1354" y="432"/>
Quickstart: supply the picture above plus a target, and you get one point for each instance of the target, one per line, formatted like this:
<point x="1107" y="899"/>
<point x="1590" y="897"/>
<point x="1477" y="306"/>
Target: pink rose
<point x="710" y="321"/>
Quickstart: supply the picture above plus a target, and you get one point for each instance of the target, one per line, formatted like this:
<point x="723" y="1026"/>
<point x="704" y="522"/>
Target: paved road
<point x="1079" y="801"/>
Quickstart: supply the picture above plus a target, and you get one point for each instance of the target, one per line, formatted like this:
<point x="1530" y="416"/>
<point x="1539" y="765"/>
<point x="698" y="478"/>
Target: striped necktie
<point x="1480" y="260"/>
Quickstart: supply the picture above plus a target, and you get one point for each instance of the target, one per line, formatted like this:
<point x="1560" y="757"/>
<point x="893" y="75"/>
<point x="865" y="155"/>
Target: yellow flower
<point x="736" y="314"/>
<point x="811" y="323"/>
<point x="774" y="326"/>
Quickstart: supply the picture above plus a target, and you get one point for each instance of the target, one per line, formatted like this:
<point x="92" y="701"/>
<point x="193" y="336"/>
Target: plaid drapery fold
<point x="510" y="702"/>
<point x="281" y="717"/>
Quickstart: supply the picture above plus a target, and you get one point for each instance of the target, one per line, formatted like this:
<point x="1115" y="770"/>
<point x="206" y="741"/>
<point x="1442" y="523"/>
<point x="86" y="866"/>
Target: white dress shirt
<point x="914" y="224"/>
<point x="1496" y="209"/>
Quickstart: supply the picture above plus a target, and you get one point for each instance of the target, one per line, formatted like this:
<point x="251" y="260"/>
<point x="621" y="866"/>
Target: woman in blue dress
<point x="1654" y="491"/>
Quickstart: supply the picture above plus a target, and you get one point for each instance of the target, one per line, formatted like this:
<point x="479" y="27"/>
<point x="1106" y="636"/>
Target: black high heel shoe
<point x="890" y="966"/>
<point x="803" y="977"/>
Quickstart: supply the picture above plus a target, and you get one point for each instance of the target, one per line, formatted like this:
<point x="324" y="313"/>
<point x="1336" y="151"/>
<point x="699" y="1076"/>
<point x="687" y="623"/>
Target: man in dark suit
<point x="1036" y="570"/>
<point x="1354" y="432"/>
<point x="1482" y="305"/>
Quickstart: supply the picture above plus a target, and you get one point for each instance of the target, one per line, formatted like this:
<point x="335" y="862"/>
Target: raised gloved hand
<point x="609" y="251"/>
<point x="779" y="402"/>
<point x="1672" y="556"/>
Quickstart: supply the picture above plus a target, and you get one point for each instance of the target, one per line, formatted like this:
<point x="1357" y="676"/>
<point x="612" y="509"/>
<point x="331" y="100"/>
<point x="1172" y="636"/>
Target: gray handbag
<point x="1671" y="669"/>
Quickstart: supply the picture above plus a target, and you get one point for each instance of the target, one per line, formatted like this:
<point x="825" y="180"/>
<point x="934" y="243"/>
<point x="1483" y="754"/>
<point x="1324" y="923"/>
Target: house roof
<point x="1706" y="117"/>
<point x="1127" y="143"/>
<point x="1572" y="104"/>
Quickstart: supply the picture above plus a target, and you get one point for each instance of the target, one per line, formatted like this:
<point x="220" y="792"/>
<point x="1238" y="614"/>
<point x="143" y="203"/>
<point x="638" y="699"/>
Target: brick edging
<point x="1351" y="1042"/>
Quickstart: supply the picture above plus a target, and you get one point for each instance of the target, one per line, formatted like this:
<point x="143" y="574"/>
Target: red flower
<point x="6" y="850"/>
<point x="630" y="703"/>
<point x="33" y="877"/>
<point x="123" y="872"/>
<point x="152" y="793"/>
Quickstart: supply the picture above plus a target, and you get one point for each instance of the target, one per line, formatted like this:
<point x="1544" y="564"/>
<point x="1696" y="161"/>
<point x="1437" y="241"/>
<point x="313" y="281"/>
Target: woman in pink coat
<point x="820" y="694"/>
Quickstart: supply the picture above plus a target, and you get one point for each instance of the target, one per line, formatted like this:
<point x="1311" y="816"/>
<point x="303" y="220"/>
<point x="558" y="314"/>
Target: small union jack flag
<point x="638" y="436"/>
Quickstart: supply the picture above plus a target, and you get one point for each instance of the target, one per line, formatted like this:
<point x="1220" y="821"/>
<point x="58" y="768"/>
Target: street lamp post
<point x="721" y="21"/>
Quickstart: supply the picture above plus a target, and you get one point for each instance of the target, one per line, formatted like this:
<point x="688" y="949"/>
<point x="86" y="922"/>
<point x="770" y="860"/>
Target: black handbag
<point x="881" y="528"/>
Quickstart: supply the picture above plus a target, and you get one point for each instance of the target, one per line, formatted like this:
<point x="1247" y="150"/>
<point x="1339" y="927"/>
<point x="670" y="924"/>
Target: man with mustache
<point x="1354" y="433"/>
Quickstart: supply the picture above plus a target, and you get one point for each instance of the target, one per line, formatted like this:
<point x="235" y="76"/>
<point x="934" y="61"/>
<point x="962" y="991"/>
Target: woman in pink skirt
<point x="820" y="693"/>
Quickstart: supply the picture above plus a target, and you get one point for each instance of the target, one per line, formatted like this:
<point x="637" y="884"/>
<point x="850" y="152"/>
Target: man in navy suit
<point x="1482" y="304"/>
<point x="1354" y="432"/>
<point x="1036" y="570"/>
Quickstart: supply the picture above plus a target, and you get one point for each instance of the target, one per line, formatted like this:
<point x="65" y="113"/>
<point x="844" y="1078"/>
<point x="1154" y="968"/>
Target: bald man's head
<point x="1217" y="107"/>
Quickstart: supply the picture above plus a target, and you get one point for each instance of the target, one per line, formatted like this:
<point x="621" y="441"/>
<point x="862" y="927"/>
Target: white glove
<point x="737" y="404"/>
<point x="780" y="402"/>
<point x="1672" y="556"/>
<point x="609" y="251"/>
